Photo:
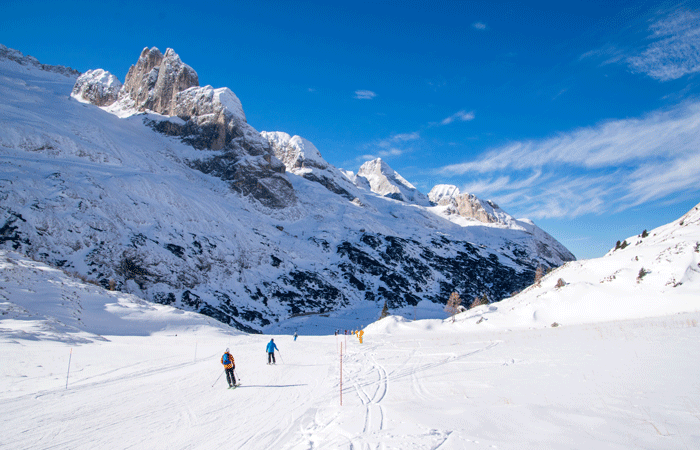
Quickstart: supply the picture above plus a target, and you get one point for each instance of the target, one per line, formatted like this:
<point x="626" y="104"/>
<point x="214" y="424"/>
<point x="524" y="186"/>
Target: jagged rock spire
<point x="156" y="79"/>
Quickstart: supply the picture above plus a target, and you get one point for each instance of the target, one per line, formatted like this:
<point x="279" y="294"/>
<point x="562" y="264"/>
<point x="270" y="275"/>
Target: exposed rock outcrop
<point x="97" y="87"/>
<point x="156" y="79"/>
<point x="468" y="205"/>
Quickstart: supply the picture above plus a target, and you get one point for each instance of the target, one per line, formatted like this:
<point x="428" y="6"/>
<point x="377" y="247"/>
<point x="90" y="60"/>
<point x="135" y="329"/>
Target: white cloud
<point x="479" y="26"/>
<point x="611" y="167"/>
<point x="675" y="50"/>
<point x="394" y="145"/>
<point x="405" y="137"/>
<point x="462" y="116"/>
<point x="365" y="95"/>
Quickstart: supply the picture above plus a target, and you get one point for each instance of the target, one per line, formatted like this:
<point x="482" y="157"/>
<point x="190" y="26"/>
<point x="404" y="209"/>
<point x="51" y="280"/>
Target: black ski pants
<point x="271" y="357"/>
<point x="230" y="377"/>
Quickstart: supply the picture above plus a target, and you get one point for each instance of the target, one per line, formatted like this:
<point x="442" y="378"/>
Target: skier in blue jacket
<point x="271" y="347"/>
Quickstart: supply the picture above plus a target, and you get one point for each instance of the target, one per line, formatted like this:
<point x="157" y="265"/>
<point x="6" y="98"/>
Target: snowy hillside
<point x="167" y="193"/>
<point x="86" y="368"/>
<point x="654" y="273"/>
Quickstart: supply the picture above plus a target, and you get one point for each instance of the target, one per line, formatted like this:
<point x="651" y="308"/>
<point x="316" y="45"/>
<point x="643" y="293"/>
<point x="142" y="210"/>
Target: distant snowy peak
<point x="467" y="210"/>
<point x="468" y="206"/>
<point x="383" y="180"/>
<point x="30" y="61"/>
<point x="294" y="151"/>
<point x="97" y="87"/>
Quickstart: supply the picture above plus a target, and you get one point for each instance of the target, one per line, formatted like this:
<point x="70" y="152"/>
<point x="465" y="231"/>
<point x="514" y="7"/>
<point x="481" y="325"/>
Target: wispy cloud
<point x="463" y="116"/>
<point x="395" y="145"/>
<point x="675" y="48"/>
<point x="616" y="165"/>
<point x="404" y="137"/>
<point x="479" y="26"/>
<point x="365" y="95"/>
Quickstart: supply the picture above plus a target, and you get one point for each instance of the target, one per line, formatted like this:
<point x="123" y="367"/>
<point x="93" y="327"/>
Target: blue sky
<point x="584" y="118"/>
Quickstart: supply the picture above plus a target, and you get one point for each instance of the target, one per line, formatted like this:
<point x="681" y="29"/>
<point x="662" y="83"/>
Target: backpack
<point x="227" y="360"/>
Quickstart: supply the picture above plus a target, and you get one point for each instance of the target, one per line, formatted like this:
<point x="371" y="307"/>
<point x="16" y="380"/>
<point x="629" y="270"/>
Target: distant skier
<point x="271" y="347"/>
<point x="229" y="365"/>
<point x="295" y="335"/>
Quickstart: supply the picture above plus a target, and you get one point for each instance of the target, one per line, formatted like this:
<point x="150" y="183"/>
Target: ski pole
<point x="217" y="379"/>
<point x="280" y="353"/>
<point x="237" y="375"/>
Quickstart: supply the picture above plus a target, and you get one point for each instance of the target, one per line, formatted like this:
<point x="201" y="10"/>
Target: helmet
<point x="227" y="350"/>
<point x="272" y="340"/>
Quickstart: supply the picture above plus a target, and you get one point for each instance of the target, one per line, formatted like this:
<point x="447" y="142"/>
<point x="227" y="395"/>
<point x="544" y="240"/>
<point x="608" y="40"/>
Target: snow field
<point x="613" y="385"/>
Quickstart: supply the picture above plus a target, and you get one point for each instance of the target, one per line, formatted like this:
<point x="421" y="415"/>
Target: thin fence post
<point x="67" y="374"/>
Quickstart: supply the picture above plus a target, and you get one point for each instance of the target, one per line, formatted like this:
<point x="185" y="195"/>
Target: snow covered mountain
<point x="165" y="191"/>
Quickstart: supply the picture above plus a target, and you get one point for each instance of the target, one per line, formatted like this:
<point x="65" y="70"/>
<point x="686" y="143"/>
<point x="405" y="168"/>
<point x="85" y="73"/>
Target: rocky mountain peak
<point x="468" y="206"/>
<point x="156" y="79"/>
<point x="383" y="180"/>
<point x="207" y="119"/>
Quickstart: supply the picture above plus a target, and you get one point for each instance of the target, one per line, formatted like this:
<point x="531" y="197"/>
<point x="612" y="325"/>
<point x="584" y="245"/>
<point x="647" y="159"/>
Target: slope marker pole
<point x="341" y="374"/>
<point x="67" y="374"/>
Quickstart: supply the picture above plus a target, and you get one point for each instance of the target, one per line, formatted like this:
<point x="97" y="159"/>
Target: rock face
<point x="98" y="87"/>
<point x="154" y="82"/>
<point x="468" y="205"/>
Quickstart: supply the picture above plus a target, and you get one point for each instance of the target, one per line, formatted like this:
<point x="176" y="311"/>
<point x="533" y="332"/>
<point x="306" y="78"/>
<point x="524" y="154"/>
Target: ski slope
<point x="144" y="375"/>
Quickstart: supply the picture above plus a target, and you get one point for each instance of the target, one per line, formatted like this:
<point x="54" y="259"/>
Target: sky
<point x="584" y="117"/>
